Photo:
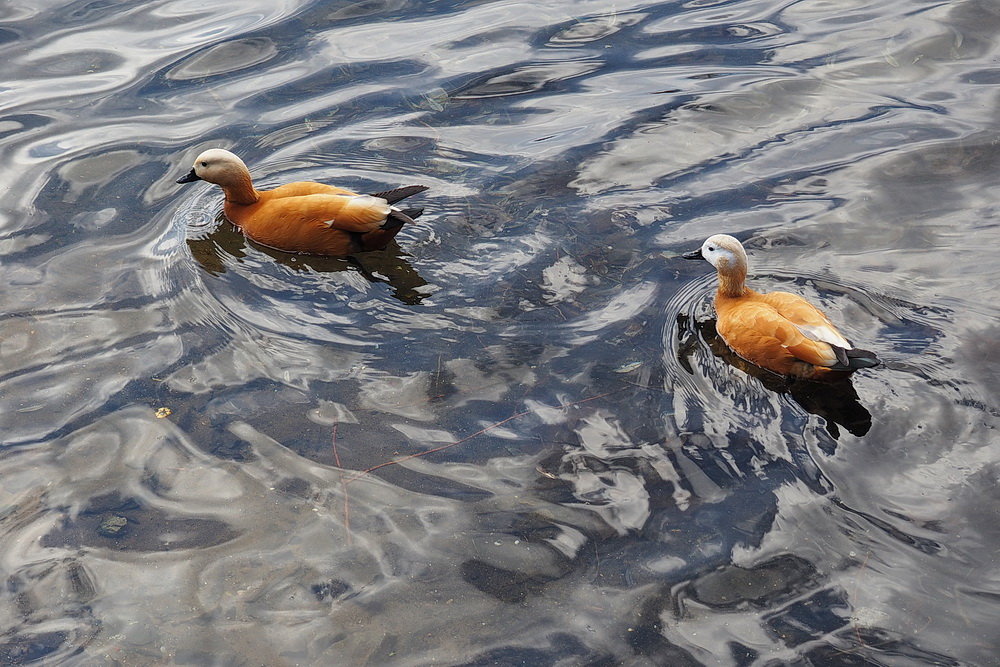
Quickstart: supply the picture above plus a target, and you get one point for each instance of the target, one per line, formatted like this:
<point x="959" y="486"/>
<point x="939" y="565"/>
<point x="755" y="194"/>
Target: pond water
<point x="512" y="438"/>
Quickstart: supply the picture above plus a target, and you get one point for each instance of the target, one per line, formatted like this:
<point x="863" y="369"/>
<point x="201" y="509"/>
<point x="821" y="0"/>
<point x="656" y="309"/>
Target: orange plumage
<point x="779" y="331"/>
<point x="304" y="217"/>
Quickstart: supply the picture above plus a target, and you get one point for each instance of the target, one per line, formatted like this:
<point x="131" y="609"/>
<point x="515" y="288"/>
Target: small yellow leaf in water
<point x="162" y="412"/>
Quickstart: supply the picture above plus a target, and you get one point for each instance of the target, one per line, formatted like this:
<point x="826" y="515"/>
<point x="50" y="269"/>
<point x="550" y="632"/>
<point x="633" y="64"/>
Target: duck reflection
<point x="216" y="250"/>
<point x="835" y="400"/>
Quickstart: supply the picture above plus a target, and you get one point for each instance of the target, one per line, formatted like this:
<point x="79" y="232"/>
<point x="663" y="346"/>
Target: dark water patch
<point x="364" y="9"/>
<point x="504" y="585"/>
<point x="82" y="63"/>
<point x="527" y="79"/>
<point x="585" y="30"/>
<point x="762" y="585"/>
<point x="984" y="77"/>
<point x="561" y="647"/>
<point x="25" y="649"/>
<point x="87" y="12"/>
<point x="225" y="58"/>
<point x="117" y="523"/>
<point x="819" y="615"/>
<point x="8" y="36"/>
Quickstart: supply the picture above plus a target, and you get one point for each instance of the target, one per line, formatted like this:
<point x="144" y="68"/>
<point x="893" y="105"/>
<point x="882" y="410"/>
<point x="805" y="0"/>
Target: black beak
<point x="189" y="177"/>
<point x="694" y="254"/>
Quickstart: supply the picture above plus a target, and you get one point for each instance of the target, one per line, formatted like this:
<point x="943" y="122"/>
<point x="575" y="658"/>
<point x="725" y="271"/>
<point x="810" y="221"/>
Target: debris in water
<point x="112" y="525"/>
<point x="629" y="367"/>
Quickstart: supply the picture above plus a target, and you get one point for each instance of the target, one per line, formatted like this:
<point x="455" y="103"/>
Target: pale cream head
<point x="724" y="252"/>
<point x="221" y="167"/>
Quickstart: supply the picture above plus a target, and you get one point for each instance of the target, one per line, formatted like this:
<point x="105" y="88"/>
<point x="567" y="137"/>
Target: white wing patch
<point x="369" y="200"/>
<point x="823" y="334"/>
<point x="376" y="207"/>
<point x="363" y="206"/>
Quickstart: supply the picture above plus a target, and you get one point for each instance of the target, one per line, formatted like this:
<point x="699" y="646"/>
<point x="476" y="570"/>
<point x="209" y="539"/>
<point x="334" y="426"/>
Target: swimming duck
<point x="778" y="331"/>
<point x="304" y="217"/>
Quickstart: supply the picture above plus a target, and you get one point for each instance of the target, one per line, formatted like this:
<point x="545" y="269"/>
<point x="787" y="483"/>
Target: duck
<point x="778" y="331"/>
<point x="304" y="217"/>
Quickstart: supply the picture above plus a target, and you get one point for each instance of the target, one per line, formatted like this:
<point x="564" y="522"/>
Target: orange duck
<point x="778" y="331"/>
<point x="304" y="217"/>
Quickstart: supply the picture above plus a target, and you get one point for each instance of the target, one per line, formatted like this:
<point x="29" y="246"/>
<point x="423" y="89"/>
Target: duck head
<point x="727" y="255"/>
<point x="216" y="166"/>
<point x="226" y="170"/>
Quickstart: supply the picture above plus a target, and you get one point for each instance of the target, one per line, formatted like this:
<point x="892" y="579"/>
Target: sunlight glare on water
<point x="513" y="437"/>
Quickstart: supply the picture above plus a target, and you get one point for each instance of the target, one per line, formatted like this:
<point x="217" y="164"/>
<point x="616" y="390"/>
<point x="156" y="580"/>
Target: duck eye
<point x="204" y="164"/>
<point x="710" y="248"/>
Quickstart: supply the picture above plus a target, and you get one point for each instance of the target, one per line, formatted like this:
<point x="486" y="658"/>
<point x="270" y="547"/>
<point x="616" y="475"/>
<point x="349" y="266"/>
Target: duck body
<point x="779" y="331"/>
<point x="304" y="217"/>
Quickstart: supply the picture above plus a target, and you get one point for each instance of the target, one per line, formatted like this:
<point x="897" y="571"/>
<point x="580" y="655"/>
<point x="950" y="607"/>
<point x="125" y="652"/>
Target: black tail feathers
<point x="397" y="194"/>
<point x="399" y="218"/>
<point x="862" y="359"/>
<point x="412" y="213"/>
<point x="854" y="359"/>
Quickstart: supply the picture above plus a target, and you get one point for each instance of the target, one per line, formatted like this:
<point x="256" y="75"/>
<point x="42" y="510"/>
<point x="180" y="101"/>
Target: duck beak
<point x="694" y="254"/>
<point x="190" y="177"/>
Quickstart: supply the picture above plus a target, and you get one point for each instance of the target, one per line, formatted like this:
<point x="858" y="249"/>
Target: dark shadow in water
<point x="388" y="266"/>
<point x="24" y="649"/>
<point x="836" y="401"/>
<point x="123" y="523"/>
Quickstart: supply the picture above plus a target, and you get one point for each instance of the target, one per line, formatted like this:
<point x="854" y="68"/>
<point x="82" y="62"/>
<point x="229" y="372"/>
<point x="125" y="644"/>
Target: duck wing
<point x="319" y="223"/>
<point x="303" y="188"/>
<point x="324" y="220"/>
<point x="815" y="326"/>
<point x="759" y="333"/>
<point x="348" y="213"/>
<point x="370" y="221"/>
<point x="806" y="317"/>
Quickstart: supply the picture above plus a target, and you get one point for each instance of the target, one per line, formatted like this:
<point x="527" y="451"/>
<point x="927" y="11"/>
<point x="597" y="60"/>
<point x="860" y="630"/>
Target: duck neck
<point x="732" y="281"/>
<point x="241" y="191"/>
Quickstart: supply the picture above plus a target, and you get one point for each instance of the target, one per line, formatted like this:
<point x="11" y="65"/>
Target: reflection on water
<point x="226" y="246"/>
<point x="512" y="437"/>
<point x="836" y="400"/>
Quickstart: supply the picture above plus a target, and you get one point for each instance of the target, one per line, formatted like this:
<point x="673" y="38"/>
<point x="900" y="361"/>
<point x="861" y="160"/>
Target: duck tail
<point x="853" y="359"/>
<point x="398" y="194"/>
<point x="397" y="218"/>
<point x="394" y="221"/>
<point x="378" y="239"/>
<point x="862" y="359"/>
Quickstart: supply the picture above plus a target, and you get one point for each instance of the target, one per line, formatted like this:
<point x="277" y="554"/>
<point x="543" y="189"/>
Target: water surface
<point x="513" y="438"/>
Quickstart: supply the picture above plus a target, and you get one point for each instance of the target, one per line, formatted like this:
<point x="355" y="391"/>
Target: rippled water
<point x="514" y="438"/>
